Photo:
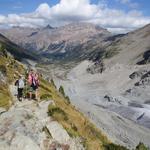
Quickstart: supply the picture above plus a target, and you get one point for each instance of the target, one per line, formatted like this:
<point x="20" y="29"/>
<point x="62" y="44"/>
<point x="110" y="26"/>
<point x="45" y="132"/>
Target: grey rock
<point x="97" y="67"/>
<point x="138" y="74"/>
<point x="57" y="132"/>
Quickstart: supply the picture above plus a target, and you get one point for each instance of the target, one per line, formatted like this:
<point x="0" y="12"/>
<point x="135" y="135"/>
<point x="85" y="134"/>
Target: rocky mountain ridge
<point x="69" y="41"/>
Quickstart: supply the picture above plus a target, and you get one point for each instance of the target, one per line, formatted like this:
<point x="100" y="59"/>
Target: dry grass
<point x="5" y="97"/>
<point x="76" y="123"/>
<point x="13" y="68"/>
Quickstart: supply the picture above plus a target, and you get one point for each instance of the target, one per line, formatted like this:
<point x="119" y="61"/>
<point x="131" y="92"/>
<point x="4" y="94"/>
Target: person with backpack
<point x="33" y="83"/>
<point x="20" y="84"/>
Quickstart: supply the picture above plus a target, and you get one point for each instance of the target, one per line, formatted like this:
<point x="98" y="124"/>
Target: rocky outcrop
<point x="145" y="80"/>
<point x="146" y="58"/>
<point x="137" y="74"/>
<point x="97" y="67"/>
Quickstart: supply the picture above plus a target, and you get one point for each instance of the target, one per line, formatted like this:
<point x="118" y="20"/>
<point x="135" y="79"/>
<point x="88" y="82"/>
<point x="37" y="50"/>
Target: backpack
<point x="17" y="83"/>
<point x="35" y="81"/>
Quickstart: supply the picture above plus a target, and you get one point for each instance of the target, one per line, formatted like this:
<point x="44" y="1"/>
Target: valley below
<point x="110" y="99"/>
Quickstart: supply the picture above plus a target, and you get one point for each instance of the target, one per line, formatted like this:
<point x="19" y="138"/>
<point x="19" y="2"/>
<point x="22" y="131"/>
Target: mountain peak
<point x="84" y="26"/>
<point x="48" y="27"/>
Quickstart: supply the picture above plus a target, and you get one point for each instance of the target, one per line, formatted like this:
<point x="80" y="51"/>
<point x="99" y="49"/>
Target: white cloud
<point x="67" y="11"/>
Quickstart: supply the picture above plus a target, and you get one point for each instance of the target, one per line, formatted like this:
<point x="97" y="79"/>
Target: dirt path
<point x="26" y="126"/>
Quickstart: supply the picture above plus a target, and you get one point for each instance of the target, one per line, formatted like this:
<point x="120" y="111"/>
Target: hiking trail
<point x="26" y="126"/>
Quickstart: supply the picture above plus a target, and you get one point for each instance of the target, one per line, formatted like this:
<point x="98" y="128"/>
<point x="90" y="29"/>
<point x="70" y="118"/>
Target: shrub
<point x="3" y="70"/>
<point x="68" y="99"/>
<point x="3" y="51"/>
<point x="57" y="113"/>
<point x="111" y="146"/>
<point x="53" y="83"/>
<point x="141" y="146"/>
<point x="114" y="147"/>
<point x="61" y="90"/>
<point x="45" y="96"/>
<point x="111" y="52"/>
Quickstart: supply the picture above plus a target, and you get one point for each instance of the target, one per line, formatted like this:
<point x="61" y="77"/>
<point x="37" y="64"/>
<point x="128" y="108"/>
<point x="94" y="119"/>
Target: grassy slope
<point x="72" y="120"/>
<point x="12" y="69"/>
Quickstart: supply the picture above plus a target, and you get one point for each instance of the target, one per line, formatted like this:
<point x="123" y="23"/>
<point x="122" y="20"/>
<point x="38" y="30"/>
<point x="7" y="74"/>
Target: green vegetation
<point x="5" y="97"/>
<point x="53" y="83"/>
<point x="57" y="113"/>
<point x="3" y="70"/>
<point x="141" y="146"/>
<point x="10" y="69"/>
<point x="114" y="147"/>
<point x="45" y="97"/>
<point x="61" y="90"/>
<point x="111" y="52"/>
<point x="67" y="99"/>
<point x="3" y="51"/>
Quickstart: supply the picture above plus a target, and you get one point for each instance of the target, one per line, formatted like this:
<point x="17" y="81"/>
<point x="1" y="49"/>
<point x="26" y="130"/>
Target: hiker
<point x="33" y="83"/>
<point x="20" y="84"/>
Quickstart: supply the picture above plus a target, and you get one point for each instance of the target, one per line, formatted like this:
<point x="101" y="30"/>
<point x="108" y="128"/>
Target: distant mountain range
<point x="79" y="41"/>
<point x="71" y="42"/>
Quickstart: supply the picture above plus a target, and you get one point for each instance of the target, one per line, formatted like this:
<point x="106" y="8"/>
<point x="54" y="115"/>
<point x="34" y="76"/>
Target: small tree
<point x="61" y="90"/>
<point x="68" y="99"/>
<point x="53" y="83"/>
<point x="3" y="50"/>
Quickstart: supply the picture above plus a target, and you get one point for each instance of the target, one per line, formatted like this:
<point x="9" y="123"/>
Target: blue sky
<point x="22" y="6"/>
<point x="113" y="14"/>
